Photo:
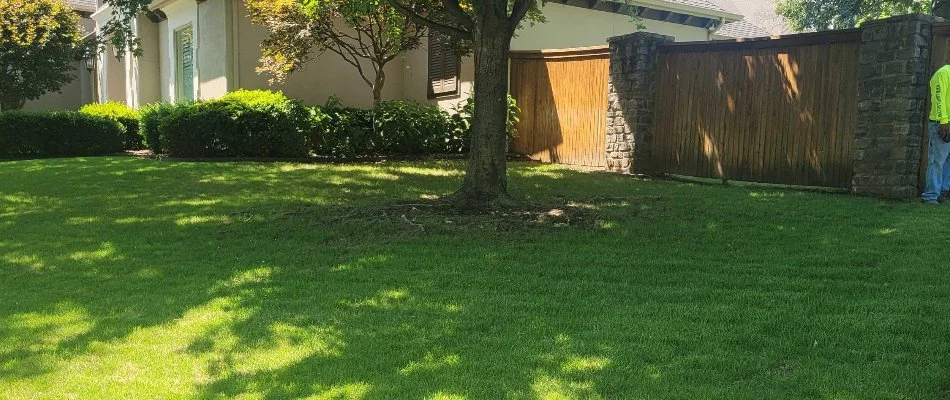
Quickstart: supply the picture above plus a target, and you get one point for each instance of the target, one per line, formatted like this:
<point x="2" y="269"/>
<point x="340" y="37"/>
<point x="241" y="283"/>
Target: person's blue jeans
<point x="938" y="167"/>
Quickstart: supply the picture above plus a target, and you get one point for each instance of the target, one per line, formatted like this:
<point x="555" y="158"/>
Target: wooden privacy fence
<point x="778" y="111"/>
<point x="563" y="99"/>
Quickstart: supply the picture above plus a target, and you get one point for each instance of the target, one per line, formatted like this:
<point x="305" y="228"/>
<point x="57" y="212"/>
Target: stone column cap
<point x="902" y="18"/>
<point x="641" y="35"/>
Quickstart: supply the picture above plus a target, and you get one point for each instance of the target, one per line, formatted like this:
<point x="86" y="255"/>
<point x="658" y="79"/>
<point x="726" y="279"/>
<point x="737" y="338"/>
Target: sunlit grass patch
<point x="247" y="280"/>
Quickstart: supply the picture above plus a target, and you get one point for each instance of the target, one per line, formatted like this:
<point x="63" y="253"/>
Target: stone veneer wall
<point x="631" y="95"/>
<point x="892" y="107"/>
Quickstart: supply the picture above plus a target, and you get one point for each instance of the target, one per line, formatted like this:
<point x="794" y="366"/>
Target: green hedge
<point x="123" y="114"/>
<point x="58" y="134"/>
<point x="246" y="123"/>
<point x="391" y="128"/>
<point x="152" y="116"/>
<point x="268" y="124"/>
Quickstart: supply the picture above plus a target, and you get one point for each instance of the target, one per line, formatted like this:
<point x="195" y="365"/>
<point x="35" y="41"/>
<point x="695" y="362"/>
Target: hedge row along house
<point x="206" y="48"/>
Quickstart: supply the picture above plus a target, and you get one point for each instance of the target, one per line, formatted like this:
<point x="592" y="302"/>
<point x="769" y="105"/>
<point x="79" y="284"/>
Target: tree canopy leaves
<point x="38" y="41"/>
<point x="820" y="15"/>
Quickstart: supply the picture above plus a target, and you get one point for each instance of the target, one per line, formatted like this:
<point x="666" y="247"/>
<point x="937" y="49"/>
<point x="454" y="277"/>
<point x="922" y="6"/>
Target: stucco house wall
<point x="70" y="97"/>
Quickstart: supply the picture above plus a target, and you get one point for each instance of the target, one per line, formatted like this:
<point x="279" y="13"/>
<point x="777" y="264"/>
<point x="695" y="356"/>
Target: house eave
<point x="690" y="10"/>
<point x="103" y="14"/>
<point x="657" y="11"/>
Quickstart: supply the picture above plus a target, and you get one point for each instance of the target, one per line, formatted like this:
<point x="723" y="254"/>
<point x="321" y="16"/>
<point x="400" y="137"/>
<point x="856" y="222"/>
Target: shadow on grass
<point x="125" y="277"/>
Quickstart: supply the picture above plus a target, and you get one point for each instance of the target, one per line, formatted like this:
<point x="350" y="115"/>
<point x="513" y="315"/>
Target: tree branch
<point x="518" y="12"/>
<point x="453" y="8"/>
<point x="458" y="33"/>
<point x="355" y="62"/>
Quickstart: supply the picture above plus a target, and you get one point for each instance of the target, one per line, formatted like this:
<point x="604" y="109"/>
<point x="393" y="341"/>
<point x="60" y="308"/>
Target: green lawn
<point x="123" y="278"/>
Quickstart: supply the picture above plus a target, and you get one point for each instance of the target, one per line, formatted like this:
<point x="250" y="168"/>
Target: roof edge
<point x="687" y="9"/>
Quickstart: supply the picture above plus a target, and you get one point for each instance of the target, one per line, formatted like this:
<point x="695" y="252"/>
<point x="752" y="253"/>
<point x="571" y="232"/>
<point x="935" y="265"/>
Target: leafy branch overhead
<point x="118" y="30"/>
<point x="821" y="15"/>
<point x="457" y="18"/>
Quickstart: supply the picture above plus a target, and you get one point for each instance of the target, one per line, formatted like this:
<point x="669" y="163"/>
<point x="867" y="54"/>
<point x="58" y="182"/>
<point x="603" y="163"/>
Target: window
<point x="443" y="66"/>
<point x="185" y="70"/>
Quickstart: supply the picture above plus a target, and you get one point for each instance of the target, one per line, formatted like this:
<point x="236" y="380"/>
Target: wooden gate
<point x="777" y="111"/>
<point x="563" y="99"/>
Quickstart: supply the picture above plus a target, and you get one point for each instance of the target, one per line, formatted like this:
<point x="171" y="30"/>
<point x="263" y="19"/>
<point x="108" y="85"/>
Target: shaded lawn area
<point x="126" y="278"/>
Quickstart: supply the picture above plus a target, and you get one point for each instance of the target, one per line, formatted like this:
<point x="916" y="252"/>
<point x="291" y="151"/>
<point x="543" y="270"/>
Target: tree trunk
<point x="11" y="104"/>
<point x="486" y="181"/>
<point x="378" y="86"/>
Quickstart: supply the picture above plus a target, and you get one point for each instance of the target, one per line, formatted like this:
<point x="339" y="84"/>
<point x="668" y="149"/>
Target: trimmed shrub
<point x="406" y="127"/>
<point x="390" y="128"/>
<point x="152" y="116"/>
<point x="58" y="134"/>
<point x="254" y="123"/>
<point x="342" y="132"/>
<point x="123" y="114"/>
<point x="245" y="123"/>
<point x="462" y="119"/>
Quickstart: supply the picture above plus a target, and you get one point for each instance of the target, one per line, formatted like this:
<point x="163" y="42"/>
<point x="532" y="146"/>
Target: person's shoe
<point x="931" y="202"/>
<point x="944" y="197"/>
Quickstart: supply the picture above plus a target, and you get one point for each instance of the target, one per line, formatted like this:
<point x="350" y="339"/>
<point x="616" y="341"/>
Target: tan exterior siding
<point x="70" y="97"/>
<point x="212" y="31"/>
<point x="147" y="68"/>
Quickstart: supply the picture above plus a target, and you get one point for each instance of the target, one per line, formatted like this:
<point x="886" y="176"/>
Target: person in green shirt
<point x="938" y="168"/>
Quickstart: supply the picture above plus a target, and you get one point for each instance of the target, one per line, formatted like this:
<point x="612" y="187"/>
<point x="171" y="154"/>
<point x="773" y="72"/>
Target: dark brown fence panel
<point x="780" y="111"/>
<point x="563" y="99"/>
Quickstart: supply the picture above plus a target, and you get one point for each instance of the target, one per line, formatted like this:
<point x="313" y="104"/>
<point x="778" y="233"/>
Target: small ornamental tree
<point x="359" y="31"/>
<point x="38" y="41"/>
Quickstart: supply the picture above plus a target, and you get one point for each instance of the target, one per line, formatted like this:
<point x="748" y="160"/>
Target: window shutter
<point x="186" y="64"/>
<point x="443" y="66"/>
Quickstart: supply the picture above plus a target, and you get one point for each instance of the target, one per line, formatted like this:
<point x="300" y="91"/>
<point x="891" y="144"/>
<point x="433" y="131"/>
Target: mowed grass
<point x="124" y="278"/>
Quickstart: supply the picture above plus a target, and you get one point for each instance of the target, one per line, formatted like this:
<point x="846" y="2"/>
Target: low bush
<point x="462" y="120"/>
<point x="268" y="124"/>
<point x="390" y="128"/>
<point x="124" y="115"/>
<point x="152" y="116"/>
<point x="58" y="134"/>
<point x="245" y="123"/>
<point x="406" y="127"/>
<point x="342" y="132"/>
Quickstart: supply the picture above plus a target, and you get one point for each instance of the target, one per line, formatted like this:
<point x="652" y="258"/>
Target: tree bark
<point x="11" y="104"/>
<point x="486" y="181"/>
<point x="378" y="84"/>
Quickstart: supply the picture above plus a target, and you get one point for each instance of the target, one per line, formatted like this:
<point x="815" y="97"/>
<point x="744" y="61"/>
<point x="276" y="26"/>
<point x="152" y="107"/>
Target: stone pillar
<point x="631" y="101"/>
<point x="893" y="95"/>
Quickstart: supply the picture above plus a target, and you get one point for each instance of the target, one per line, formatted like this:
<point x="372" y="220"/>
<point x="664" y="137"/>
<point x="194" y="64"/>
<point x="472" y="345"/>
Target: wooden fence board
<point x="777" y="112"/>
<point x="563" y="98"/>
